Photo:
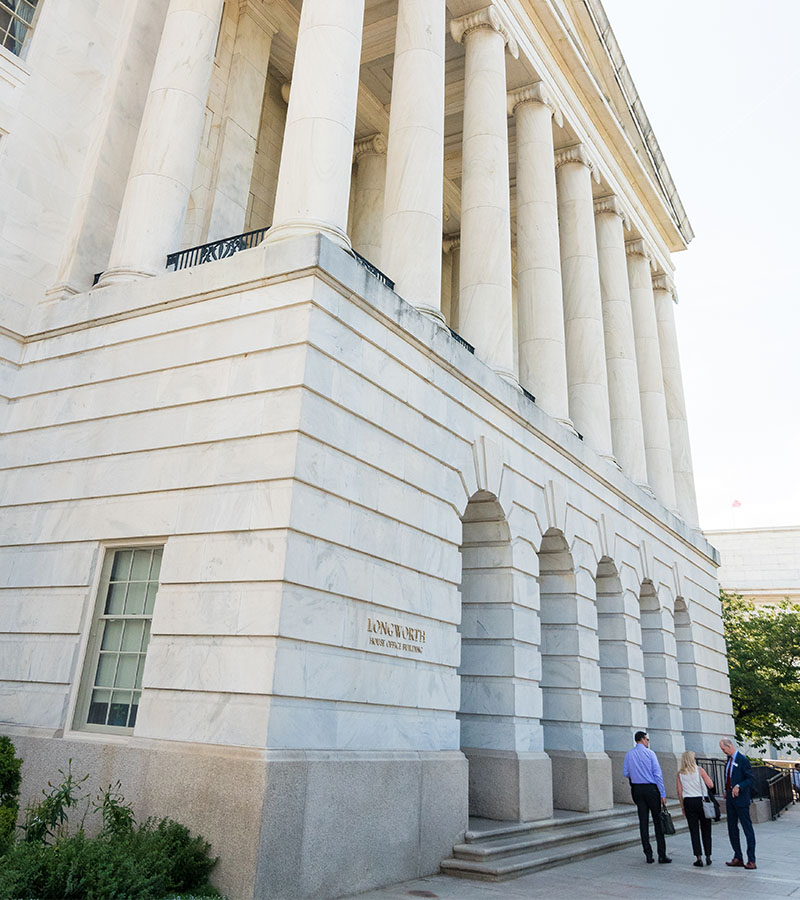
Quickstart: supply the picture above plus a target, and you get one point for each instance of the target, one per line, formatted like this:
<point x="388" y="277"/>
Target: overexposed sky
<point x="720" y="80"/>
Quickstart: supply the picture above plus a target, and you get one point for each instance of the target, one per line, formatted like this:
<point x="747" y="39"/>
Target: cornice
<point x="489" y="17"/>
<point x="375" y="143"/>
<point x="611" y="204"/>
<point x="534" y="93"/>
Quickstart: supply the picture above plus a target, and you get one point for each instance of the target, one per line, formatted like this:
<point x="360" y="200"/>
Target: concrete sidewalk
<point x="624" y="874"/>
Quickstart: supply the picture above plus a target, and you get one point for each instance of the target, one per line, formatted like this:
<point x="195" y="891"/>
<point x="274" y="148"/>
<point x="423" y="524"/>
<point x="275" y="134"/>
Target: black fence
<point x="780" y="792"/>
<point x="716" y="769"/>
<point x="457" y="337"/>
<point x="196" y="256"/>
<point x="374" y="270"/>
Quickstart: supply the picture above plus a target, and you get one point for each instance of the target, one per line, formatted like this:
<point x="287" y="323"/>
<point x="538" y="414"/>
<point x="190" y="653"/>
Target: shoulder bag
<point x="667" y="825"/>
<point x="710" y="808"/>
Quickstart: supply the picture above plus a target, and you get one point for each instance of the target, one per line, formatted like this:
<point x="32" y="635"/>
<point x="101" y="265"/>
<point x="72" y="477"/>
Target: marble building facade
<point x="321" y="557"/>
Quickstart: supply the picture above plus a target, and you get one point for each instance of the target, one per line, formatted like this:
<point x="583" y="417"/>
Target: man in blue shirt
<point x="641" y="768"/>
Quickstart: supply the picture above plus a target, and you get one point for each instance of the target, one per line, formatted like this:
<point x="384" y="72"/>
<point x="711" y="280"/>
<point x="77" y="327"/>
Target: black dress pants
<point x="739" y="814"/>
<point x="648" y="802"/>
<point x="698" y="825"/>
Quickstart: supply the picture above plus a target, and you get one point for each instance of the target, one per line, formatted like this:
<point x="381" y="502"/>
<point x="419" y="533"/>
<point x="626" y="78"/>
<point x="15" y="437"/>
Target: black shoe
<point x="648" y="857"/>
<point x="665" y="859"/>
<point x="708" y="860"/>
<point x="698" y="863"/>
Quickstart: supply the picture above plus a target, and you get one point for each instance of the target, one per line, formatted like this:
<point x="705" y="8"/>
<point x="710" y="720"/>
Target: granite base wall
<point x="284" y="824"/>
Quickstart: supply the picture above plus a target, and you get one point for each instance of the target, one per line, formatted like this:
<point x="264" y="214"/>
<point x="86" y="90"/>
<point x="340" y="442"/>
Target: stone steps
<point x="497" y="852"/>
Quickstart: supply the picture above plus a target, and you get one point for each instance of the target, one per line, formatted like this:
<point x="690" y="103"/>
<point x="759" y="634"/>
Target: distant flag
<point x="736" y="504"/>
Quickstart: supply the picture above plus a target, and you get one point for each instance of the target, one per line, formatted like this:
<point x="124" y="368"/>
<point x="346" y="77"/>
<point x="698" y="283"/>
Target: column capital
<point x="611" y="204"/>
<point x="639" y="247"/>
<point x="576" y="154"/>
<point x="375" y="143"/>
<point x="664" y="282"/>
<point x="451" y="242"/>
<point x="257" y="10"/>
<point x="489" y="17"/>
<point x="534" y="93"/>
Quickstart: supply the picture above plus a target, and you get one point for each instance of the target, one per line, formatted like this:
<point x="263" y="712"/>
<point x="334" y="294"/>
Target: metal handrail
<point x="781" y="794"/>
<point x="214" y="250"/>
<point x="460" y="340"/>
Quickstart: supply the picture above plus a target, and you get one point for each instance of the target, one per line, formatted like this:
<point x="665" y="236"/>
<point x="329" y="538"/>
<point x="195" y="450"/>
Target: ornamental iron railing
<point x="459" y="340"/>
<point x="374" y="270"/>
<point x="716" y="769"/>
<point x="222" y="249"/>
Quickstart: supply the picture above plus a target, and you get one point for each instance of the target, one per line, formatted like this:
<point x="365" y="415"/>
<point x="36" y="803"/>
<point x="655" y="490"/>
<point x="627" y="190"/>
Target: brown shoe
<point x="735" y="862"/>
<point x="750" y="865"/>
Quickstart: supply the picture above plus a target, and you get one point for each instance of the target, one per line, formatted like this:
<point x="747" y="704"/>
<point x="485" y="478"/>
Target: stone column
<point x="664" y="294"/>
<point x="317" y="157"/>
<point x="451" y="250"/>
<point x="623" y="380"/>
<point x="651" y="379"/>
<point x="370" y="158"/>
<point x="583" y="309"/>
<point x="542" y="351"/>
<point x="485" y="304"/>
<point x="233" y="169"/>
<point x="412" y="219"/>
<point x="156" y="197"/>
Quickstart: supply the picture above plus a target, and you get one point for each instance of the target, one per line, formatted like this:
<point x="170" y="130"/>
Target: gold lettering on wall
<point x="393" y="636"/>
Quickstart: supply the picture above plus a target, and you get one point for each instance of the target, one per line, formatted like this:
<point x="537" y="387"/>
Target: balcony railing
<point x="457" y="337"/>
<point x="222" y="249"/>
<point x="196" y="256"/>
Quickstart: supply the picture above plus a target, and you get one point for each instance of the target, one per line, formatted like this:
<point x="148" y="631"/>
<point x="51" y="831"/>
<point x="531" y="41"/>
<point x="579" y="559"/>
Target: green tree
<point x="764" y="659"/>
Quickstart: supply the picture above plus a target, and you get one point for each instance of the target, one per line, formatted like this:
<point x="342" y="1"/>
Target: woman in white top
<point x="692" y="783"/>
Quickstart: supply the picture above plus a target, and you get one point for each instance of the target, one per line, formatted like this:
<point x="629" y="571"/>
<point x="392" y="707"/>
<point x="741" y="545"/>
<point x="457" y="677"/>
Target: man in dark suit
<point x="738" y="781"/>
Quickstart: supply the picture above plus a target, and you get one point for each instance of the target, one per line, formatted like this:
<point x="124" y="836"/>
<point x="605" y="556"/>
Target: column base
<point x="431" y="312"/>
<point x="508" y="376"/>
<point x="509" y="786"/>
<point x="581" y="781"/>
<point x="302" y="227"/>
<point x="620" y="786"/>
<point x="121" y="275"/>
<point x="567" y="423"/>
<point x="611" y="459"/>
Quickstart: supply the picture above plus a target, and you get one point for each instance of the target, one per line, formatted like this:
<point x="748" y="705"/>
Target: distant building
<point x="761" y="564"/>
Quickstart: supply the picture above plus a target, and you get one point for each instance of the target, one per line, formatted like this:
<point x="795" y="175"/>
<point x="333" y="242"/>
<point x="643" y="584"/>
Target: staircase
<point x="497" y="851"/>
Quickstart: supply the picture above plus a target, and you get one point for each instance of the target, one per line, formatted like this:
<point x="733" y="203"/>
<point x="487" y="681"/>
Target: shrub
<point x="10" y="780"/>
<point x="158" y="859"/>
<point x="154" y="860"/>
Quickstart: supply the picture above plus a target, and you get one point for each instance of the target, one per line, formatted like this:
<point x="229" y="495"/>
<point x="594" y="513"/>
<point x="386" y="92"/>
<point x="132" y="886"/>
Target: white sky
<point x="720" y="80"/>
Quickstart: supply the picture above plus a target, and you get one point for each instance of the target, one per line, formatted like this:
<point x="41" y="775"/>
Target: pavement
<point x="624" y="874"/>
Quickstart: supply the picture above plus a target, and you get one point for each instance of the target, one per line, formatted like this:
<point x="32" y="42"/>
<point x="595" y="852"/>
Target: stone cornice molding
<point x="663" y="282"/>
<point x="534" y="93"/>
<point x="257" y="10"/>
<point x="639" y="247"/>
<point x="576" y="154"/>
<point x="611" y="204"/>
<point x="489" y="17"/>
<point x="453" y="242"/>
<point x="375" y="143"/>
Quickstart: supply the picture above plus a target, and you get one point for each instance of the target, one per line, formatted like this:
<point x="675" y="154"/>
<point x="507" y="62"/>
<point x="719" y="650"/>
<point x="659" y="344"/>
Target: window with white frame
<point x="16" y="24"/>
<point x="112" y="685"/>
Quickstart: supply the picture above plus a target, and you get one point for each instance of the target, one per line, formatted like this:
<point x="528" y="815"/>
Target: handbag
<point x="710" y="805"/>
<point x="667" y="825"/>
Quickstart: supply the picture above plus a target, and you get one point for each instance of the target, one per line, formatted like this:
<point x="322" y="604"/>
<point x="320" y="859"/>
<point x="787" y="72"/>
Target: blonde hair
<point x="688" y="763"/>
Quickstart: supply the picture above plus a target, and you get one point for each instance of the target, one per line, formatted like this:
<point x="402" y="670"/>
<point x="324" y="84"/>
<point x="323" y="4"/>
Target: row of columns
<point x="591" y="345"/>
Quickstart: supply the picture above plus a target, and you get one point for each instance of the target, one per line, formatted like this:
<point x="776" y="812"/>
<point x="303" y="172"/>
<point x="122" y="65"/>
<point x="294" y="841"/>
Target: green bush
<point x="10" y="780"/>
<point x="158" y="859"/>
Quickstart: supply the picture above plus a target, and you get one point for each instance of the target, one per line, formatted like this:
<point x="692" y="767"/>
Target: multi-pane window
<point x="119" y="639"/>
<point x="16" y="23"/>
